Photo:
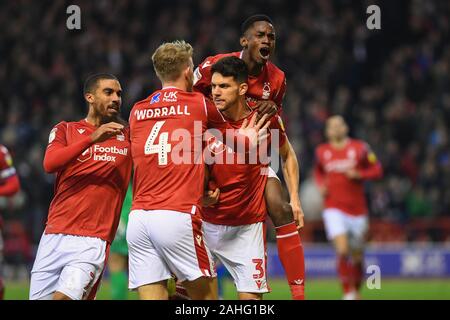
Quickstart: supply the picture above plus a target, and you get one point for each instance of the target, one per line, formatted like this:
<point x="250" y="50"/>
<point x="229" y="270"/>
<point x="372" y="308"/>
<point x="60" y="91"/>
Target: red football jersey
<point x="331" y="164"/>
<point x="90" y="188"/>
<point x="167" y="143"/>
<point x="7" y="169"/>
<point x="9" y="182"/>
<point x="241" y="183"/>
<point x="270" y="84"/>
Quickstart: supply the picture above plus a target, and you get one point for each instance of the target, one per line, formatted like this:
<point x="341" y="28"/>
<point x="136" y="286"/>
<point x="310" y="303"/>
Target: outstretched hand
<point x="255" y="130"/>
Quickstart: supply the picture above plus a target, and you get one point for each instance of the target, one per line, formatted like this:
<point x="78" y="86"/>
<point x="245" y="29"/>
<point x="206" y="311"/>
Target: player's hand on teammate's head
<point x="106" y="131"/>
<point x="266" y="107"/>
<point x="210" y="198"/>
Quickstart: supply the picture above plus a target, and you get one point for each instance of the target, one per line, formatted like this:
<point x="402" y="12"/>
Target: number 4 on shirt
<point x="162" y="148"/>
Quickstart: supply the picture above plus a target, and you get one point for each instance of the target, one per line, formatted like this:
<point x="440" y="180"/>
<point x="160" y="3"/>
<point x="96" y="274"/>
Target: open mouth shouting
<point x="265" y="53"/>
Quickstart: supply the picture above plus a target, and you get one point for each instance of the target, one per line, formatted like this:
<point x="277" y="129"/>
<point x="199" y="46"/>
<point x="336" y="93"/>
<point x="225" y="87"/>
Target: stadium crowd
<point x="392" y="85"/>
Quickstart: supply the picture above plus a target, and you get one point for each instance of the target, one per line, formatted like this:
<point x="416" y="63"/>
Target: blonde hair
<point x="171" y="58"/>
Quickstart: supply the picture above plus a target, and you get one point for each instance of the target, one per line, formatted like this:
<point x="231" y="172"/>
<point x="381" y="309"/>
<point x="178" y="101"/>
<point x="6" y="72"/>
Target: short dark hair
<point x="252" y="19"/>
<point x="231" y="67"/>
<point x="90" y="85"/>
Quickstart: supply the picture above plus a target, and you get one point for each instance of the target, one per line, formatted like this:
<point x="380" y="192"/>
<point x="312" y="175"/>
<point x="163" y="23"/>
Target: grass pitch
<point x="316" y="289"/>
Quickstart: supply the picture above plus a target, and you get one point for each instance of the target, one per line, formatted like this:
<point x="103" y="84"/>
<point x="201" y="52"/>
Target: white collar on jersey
<point x="170" y="87"/>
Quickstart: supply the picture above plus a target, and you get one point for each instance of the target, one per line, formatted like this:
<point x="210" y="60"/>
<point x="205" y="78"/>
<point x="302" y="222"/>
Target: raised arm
<point x="59" y="154"/>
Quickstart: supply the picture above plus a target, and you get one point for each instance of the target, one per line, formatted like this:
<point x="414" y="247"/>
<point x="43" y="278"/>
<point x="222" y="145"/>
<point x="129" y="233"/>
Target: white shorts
<point x="272" y="174"/>
<point x="69" y="264"/>
<point x="165" y="242"/>
<point x="338" y="222"/>
<point x="242" y="250"/>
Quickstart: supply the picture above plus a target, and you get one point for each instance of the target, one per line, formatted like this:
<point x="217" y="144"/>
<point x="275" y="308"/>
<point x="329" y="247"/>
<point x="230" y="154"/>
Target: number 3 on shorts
<point x="162" y="148"/>
<point x="259" y="267"/>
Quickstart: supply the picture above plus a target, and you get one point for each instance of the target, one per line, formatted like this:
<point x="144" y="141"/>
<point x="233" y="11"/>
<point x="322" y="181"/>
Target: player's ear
<point x="89" y="97"/>
<point x="187" y="72"/>
<point x="243" y="87"/>
<point x="243" y="41"/>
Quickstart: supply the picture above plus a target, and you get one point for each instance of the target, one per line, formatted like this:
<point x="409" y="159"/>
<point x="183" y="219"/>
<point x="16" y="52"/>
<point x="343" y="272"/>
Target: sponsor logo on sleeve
<point x="197" y="75"/>
<point x="155" y="98"/>
<point x="372" y="158"/>
<point x="52" y="135"/>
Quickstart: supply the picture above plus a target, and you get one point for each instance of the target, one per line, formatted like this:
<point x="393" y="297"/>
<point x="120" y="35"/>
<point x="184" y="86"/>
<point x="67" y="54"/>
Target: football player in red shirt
<point x="92" y="162"/>
<point x="235" y="226"/>
<point x="164" y="231"/>
<point x="342" y="166"/>
<point x="9" y="185"/>
<point x="266" y="89"/>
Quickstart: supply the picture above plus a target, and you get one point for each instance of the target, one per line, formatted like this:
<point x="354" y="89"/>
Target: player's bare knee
<point x="282" y="214"/>
<point x="60" y="296"/>
<point x="201" y="289"/>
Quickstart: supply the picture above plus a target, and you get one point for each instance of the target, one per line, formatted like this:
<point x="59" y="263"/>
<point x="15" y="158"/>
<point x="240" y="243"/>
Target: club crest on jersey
<point x="155" y="98"/>
<point x="266" y="91"/>
<point x="86" y="155"/>
<point x="120" y="137"/>
<point x="170" y="96"/>
<point x="217" y="147"/>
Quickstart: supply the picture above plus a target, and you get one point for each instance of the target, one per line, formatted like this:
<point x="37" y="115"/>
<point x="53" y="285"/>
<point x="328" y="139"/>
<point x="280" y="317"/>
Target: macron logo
<point x="81" y="131"/>
<point x="298" y="281"/>
<point x="199" y="239"/>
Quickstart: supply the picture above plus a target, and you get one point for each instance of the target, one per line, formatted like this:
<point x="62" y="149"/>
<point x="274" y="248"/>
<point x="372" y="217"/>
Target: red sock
<point x="358" y="274"/>
<point x="345" y="272"/>
<point x="290" y="251"/>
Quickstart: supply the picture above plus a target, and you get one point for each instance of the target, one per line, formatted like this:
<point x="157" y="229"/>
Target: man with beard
<point x="92" y="162"/>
